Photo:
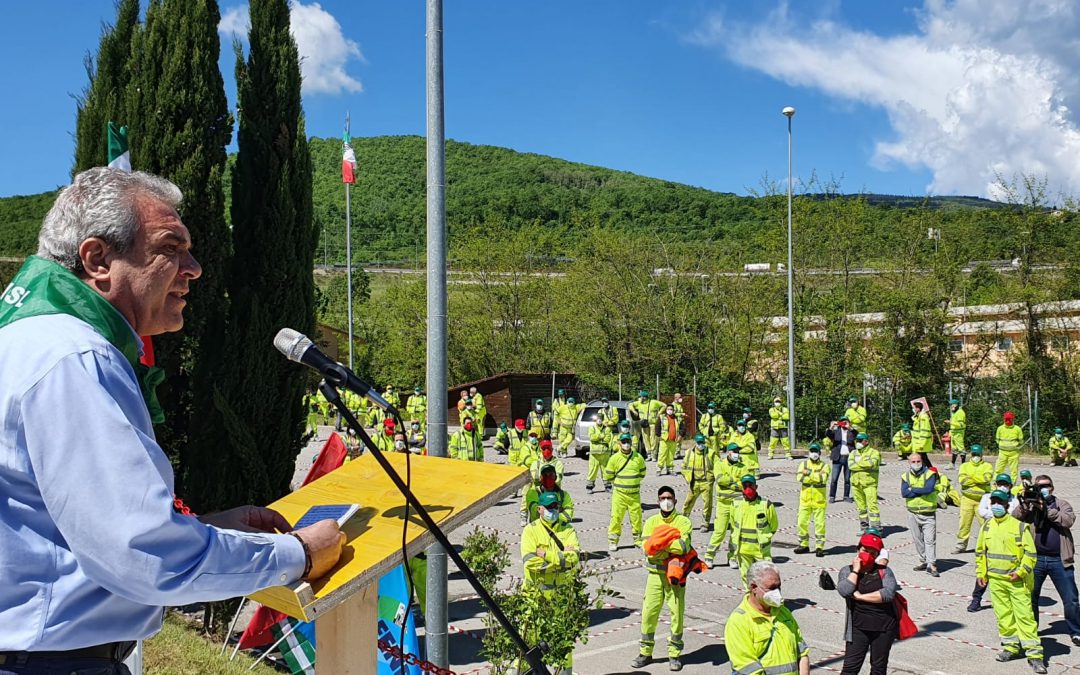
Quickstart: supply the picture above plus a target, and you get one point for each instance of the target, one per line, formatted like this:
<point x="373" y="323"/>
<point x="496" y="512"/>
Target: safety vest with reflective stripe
<point x="557" y="565"/>
<point x="760" y="644"/>
<point x="1009" y="438"/>
<point x="599" y="439"/>
<point x="1005" y="547"/>
<point x="727" y="475"/>
<point x="975" y="479"/>
<point x="697" y="468"/>
<point x="467" y="445"/>
<point x="779" y="417"/>
<point x="711" y="425"/>
<point x="630" y="471"/>
<point x="519" y="441"/>
<point x="540" y="423"/>
<point x="922" y="437"/>
<point x="568" y="413"/>
<point x="857" y="417"/>
<point x="864" y="465"/>
<point x="958" y="421"/>
<point x="813" y="476"/>
<point x="538" y="465"/>
<point x="657" y="564"/>
<point x="649" y="411"/>
<point x="901" y="442"/>
<point x="921" y="504"/>
<point x="755" y="524"/>
<point x="1057" y="446"/>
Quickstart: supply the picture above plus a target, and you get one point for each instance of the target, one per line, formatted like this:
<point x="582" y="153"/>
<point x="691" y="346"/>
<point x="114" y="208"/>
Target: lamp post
<point x="789" y="112"/>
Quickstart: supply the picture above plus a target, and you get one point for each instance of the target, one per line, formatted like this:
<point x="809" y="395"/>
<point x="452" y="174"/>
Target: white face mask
<point x="667" y="505"/>
<point x="399" y="445"/>
<point x="733" y="457"/>
<point x="700" y="448"/>
<point x="860" y="444"/>
<point x="976" y="459"/>
<point x="773" y="598"/>
<point x="626" y="447"/>
<point x="815" y="456"/>
<point x="671" y="412"/>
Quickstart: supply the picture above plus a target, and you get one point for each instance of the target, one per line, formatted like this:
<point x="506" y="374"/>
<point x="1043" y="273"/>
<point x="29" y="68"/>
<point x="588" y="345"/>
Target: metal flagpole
<point x="436" y="621"/>
<point x="348" y="250"/>
<point x="789" y="112"/>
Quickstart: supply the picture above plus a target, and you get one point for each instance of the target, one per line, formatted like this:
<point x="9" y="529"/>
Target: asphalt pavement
<point x="951" y="640"/>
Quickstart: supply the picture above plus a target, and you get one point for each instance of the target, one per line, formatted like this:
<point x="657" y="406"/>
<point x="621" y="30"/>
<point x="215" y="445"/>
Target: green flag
<point x="297" y="651"/>
<point x="119" y="157"/>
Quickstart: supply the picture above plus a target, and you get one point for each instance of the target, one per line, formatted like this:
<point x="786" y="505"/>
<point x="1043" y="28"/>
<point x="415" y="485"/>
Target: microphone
<point x="299" y="348"/>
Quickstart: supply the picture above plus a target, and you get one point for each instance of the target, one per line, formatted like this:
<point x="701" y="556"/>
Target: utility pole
<point x="437" y="643"/>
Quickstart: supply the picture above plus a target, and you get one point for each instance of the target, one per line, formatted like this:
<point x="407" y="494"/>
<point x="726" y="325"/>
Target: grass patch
<point x="182" y="650"/>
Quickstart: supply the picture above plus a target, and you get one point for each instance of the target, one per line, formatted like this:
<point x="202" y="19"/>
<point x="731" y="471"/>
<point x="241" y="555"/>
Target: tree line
<point x="640" y="306"/>
<point x="234" y="416"/>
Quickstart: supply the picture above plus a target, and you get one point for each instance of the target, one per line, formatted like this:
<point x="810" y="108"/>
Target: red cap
<point x="1009" y="416"/>
<point x="519" y="424"/>
<point x="545" y="444"/>
<point x="872" y="542"/>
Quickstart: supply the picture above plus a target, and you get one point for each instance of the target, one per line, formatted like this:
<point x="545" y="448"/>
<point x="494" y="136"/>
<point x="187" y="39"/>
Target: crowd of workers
<point x="1022" y="529"/>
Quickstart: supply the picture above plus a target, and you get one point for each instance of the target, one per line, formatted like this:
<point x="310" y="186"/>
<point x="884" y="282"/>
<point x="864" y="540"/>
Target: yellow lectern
<point x="344" y="603"/>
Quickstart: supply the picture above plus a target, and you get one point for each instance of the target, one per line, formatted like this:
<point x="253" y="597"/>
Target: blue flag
<point x="393" y="612"/>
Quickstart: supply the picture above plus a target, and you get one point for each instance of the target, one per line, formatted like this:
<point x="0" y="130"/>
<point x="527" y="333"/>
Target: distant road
<point x="859" y="271"/>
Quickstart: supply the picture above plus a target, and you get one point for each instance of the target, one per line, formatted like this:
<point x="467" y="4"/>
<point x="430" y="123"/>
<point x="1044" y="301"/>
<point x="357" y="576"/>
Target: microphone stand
<point x="534" y="655"/>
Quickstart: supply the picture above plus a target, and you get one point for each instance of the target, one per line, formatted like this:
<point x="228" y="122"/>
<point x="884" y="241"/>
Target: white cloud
<point x="324" y="50"/>
<point x="235" y="21"/>
<point x="981" y="88"/>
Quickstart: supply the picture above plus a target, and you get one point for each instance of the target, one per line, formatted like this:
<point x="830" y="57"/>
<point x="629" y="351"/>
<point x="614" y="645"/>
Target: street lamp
<point x="789" y="112"/>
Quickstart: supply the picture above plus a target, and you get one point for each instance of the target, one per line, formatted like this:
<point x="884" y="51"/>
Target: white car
<point x="587" y="418"/>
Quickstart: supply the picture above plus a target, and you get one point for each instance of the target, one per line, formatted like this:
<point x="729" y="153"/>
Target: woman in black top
<point x="871" y="622"/>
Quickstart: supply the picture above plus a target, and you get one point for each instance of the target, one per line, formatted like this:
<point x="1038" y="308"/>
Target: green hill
<point x="487" y="184"/>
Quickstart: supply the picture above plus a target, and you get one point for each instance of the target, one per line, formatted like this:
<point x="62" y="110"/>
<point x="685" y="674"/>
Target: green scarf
<point x="44" y="287"/>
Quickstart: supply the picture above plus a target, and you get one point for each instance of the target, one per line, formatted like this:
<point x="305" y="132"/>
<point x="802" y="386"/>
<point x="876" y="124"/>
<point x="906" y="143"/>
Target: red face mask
<point x="468" y="426"/>
<point x="866" y="558"/>
<point x="547" y="482"/>
<point x="750" y="493"/>
<point x="547" y="453"/>
<point x="841" y="424"/>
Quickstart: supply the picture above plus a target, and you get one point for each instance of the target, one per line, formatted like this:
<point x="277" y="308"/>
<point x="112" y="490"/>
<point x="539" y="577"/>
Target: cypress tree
<point x="179" y="124"/>
<point x="103" y="98"/>
<point x="270" y="282"/>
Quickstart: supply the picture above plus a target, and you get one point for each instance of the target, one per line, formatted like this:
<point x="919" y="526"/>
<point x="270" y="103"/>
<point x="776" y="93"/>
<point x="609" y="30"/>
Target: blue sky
<point x="684" y="91"/>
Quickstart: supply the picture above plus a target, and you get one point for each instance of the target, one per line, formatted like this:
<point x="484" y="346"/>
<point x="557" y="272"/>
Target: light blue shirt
<point x="90" y="546"/>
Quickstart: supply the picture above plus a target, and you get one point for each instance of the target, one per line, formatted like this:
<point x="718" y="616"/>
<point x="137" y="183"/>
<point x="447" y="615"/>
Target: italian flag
<point x="119" y="157"/>
<point x="348" y="160"/>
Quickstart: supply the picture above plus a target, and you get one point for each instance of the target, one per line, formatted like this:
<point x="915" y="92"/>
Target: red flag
<point x="147" y="358"/>
<point x="257" y="633"/>
<point x="331" y="457"/>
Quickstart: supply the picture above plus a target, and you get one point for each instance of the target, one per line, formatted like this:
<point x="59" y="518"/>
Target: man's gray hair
<point x="757" y="571"/>
<point x="100" y="202"/>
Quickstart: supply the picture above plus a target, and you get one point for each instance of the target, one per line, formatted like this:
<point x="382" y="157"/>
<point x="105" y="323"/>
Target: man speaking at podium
<point x="90" y="546"/>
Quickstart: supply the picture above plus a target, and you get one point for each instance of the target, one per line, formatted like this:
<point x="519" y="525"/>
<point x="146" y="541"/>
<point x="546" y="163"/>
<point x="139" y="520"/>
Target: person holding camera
<point x="868" y="587"/>
<point x="1052" y="519"/>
